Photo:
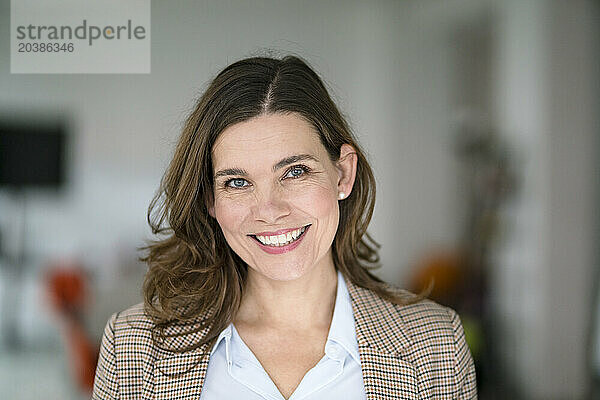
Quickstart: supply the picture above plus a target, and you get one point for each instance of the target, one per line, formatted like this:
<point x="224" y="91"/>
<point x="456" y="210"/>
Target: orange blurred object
<point x="445" y="269"/>
<point x="66" y="285"/>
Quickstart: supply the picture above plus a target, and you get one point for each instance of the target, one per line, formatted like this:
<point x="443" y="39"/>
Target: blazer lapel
<point x="179" y="375"/>
<point x="382" y="339"/>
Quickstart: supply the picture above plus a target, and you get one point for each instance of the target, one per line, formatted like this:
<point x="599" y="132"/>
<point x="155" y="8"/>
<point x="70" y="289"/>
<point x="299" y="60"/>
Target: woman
<point x="261" y="287"/>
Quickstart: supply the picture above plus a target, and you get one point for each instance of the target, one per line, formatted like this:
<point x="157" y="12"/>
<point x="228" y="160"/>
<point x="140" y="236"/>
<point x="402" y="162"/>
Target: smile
<point x="280" y="241"/>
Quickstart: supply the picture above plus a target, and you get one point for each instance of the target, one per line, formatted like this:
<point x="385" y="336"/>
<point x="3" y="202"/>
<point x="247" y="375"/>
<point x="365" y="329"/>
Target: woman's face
<point x="276" y="194"/>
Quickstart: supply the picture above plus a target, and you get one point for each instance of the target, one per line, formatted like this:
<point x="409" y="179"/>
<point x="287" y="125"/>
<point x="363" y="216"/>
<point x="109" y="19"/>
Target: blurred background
<point x="480" y="119"/>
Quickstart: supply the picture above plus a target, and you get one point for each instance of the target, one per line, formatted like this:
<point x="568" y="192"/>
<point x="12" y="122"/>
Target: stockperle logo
<point x="84" y="31"/>
<point x="75" y="36"/>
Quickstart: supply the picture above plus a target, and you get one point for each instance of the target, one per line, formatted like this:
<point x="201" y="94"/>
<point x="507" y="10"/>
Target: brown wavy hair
<point x="195" y="280"/>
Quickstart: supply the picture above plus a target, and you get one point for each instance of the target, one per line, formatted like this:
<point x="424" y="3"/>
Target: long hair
<point x="195" y="280"/>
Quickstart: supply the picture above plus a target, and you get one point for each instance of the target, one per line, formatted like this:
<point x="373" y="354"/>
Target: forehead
<point x="266" y="139"/>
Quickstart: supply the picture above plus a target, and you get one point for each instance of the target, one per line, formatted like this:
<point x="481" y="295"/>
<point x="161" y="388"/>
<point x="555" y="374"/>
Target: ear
<point x="346" y="166"/>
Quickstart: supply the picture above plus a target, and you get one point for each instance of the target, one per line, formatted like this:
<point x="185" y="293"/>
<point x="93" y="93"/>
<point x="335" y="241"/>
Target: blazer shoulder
<point x="126" y="351"/>
<point x="423" y="320"/>
<point x="433" y="325"/>
<point x="134" y="317"/>
<point x="423" y="333"/>
<point x="132" y="328"/>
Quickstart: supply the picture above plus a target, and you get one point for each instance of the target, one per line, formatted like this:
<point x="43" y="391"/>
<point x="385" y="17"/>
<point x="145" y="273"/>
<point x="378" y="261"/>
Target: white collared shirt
<point x="235" y="373"/>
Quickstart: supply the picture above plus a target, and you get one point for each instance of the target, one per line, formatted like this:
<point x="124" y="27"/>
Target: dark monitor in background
<point x="32" y="154"/>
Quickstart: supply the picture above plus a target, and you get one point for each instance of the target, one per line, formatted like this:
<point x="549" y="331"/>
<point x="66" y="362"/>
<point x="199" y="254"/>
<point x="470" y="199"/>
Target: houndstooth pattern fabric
<point x="407" y="352"/>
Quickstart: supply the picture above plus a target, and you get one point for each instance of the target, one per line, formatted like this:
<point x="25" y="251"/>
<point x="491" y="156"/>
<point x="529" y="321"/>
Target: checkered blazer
<point x="407" y="352"/>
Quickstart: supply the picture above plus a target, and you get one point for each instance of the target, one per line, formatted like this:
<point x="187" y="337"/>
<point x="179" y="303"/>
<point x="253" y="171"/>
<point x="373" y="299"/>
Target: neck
<point x="302" y="303"/>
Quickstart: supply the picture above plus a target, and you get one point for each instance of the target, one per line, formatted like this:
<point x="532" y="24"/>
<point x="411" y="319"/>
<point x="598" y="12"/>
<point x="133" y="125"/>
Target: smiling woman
<point x="261" y="286"/>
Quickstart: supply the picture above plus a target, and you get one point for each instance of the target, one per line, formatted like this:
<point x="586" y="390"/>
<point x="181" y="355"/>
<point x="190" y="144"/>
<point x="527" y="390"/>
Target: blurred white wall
<point x="546" y="99"/>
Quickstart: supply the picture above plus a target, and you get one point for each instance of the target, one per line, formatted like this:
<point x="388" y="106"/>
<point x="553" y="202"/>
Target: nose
<point x="271" y="205"/>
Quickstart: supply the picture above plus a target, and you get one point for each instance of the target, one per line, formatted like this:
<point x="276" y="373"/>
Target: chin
<point x="281" y="273"/>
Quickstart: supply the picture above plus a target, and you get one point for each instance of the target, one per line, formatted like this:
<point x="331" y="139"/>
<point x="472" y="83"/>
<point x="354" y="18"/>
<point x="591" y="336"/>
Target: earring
<point x="342" y="195"/>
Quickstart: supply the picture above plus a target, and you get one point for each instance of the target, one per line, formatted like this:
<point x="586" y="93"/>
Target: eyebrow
<point x="280" y="164"/>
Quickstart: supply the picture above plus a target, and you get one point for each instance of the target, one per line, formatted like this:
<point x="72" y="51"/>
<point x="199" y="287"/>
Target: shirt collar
<point x="225" y="335"/>
<point x="341" y="331"/>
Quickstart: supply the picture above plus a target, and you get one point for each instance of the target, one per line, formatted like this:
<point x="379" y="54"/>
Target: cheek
<point x="320" y="203"/>
<point x="230" y="213"/>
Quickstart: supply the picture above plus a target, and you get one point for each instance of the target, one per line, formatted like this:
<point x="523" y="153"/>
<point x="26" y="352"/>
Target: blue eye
<point x="296" y="171"/>
<point x="236" y="183"/>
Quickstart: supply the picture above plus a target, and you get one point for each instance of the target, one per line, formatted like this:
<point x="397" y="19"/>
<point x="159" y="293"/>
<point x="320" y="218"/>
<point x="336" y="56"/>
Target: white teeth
<point x="283" y="239"/>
